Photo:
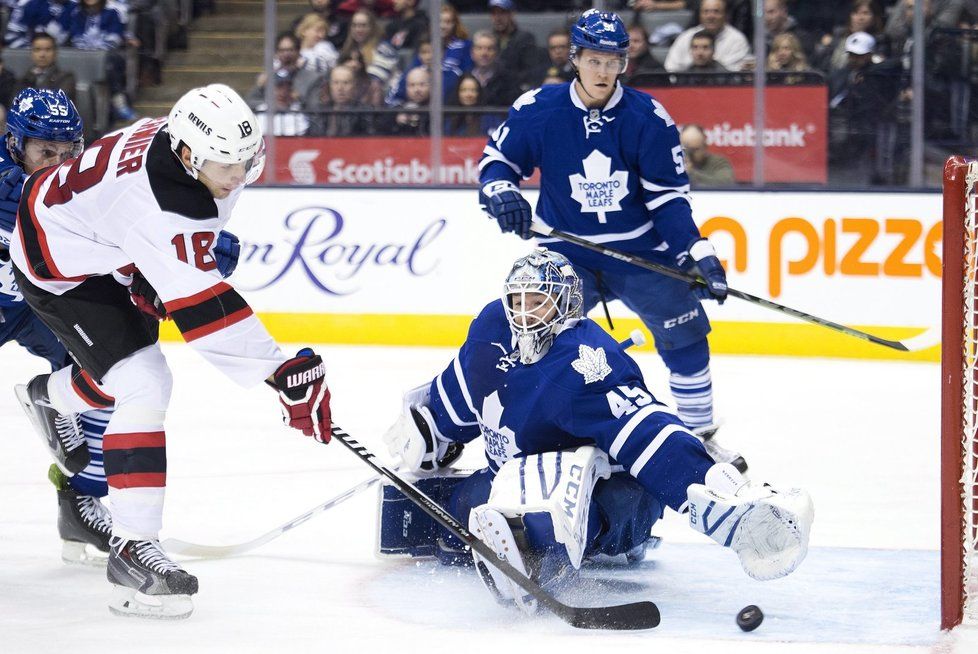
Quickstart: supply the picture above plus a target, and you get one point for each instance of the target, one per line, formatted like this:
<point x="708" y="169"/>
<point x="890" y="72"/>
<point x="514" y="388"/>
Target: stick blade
<point x="625" y="617"/>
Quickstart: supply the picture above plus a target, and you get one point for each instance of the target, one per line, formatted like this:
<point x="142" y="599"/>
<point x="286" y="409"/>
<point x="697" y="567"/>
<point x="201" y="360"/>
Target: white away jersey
<point x="127" y="201"/>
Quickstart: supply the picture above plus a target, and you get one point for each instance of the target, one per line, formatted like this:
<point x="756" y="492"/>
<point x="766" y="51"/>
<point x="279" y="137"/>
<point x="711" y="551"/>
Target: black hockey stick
<point x="637" y="615"/>
<point x="544" y="230"/>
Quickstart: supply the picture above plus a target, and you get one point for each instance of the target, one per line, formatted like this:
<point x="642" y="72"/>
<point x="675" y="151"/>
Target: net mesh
<point x="969" y="441"/>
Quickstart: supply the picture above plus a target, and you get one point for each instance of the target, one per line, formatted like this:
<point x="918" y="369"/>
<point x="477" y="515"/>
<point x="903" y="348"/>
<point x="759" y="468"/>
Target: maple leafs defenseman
<point x="612" y="171"/>
<point x="582" y="459"/>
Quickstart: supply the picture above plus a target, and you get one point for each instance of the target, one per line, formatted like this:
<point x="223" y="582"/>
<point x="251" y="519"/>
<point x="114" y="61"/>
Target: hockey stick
<point x="544" y="230"/>
<point x="637" y="615"/>
<point x="177" y="546"/>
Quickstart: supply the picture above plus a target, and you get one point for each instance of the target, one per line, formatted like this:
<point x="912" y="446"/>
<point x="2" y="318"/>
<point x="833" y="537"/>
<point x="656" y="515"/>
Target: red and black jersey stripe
<point x="32" y="235"/>
<point x="135" y="459"/>
<point x="206" y="312"/>
<point x="88" y="390"/>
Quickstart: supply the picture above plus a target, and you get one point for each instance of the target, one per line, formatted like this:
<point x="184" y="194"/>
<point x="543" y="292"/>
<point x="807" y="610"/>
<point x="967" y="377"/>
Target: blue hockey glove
<point x="502" y="200"/>
<point x="11" y="187"/>
<point x="701" y="259"/>
<point x="226" y="252"/>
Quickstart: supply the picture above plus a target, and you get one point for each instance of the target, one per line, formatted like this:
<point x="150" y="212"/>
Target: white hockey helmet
<point x="220" y="129"/>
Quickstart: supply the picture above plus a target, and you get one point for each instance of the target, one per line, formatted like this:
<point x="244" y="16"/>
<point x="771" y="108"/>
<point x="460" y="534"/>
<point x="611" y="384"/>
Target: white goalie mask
<point x="223" y="135"/>
<point x="541" y="295"/>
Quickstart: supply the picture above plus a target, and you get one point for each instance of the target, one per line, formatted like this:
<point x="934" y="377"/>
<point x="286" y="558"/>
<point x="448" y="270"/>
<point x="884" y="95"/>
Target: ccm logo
<point x="679" y="320"/>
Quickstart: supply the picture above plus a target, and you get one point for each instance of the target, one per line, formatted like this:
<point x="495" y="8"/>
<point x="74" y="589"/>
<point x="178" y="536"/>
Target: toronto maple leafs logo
<point x="500" y="440"/>
<point x="527" y="98"/>
<point x="593" y="364"/>
<point x="600" y="190"/>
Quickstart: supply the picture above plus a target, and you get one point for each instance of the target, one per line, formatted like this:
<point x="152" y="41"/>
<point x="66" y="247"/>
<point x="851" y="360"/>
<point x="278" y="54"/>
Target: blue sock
<point x="91" y="480"/>
<point x="691" y="383"/>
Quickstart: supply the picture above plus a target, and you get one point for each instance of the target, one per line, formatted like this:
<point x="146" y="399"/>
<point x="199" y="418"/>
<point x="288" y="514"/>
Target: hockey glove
<point x="302" y="390"/>
<point x="11" y="188"/>
<point x="701" y="259"/>
<point x="145" y="297"/>
<point x="502" y="200"/>
<point x="226" y="252"/>
<point x="414" y="438"/>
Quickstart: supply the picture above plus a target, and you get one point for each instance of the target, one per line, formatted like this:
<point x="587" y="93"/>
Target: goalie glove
<point x="502" y="200"/>
<point x="701" y="259"/>
<point x="302" y="390"/>
<point x="767" y="528"/>
<point x="415" y="440"/>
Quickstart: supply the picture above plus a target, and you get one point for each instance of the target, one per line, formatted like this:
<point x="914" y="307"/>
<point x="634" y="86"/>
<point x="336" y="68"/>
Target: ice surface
<point x="861" y="436"/>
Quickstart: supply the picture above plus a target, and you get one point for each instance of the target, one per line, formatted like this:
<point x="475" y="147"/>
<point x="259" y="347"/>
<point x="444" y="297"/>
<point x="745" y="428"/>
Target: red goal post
<point x="959" y="397"/>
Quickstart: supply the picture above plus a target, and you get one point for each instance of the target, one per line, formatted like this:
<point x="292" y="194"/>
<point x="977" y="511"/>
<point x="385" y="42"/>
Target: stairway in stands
<point x="226" y="47"/>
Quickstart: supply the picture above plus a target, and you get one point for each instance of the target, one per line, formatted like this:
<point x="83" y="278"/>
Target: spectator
<point x="339" y="95"/>
<point x="640" y="59"/>
<point x="937" y="13"/>
<point x="705" y="168"/>
<point x="820" y="17"/>
<point x="862" y="100"/>
<point x="364" y="36"/>
<point x="730" y="45"/>
<point x="518" y="51"/>
<point x="415" y="123"/>
<point x="469" y="94"/>
<point x="830" y="53"/>
<point x="286" y="59"/>
<point x="500" y="85"/>
<point x="457" y="55"/>
<point x="702" y="52"/>
<point x="778" y="21"/>
<point x="337" y="24"/>
<point x="91" y="25"/>
<point x="559" y="65"/>
<point x="405" y="29"/>
<point x="382" y="8"/>
<point x="30" y="16"/>
<point x="658" y="5"/>
<point x="319" y="54"/>
<point x="787" y="54"/>
<point x="8" y="86"/>
<point x="288" y="119"/>
<point x="44" y="72"/>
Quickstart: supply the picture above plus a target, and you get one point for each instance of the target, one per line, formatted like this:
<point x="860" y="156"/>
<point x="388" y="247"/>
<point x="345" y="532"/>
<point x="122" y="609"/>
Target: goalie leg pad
<point x="625" y="513"/>
<point x="405" y="530"/>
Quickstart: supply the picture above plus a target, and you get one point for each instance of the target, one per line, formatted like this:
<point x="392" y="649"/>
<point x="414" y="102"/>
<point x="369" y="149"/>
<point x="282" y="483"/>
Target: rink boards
<point x="411" y="267"/>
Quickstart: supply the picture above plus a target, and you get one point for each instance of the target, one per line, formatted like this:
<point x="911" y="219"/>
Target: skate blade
<point x="20" y="390"/>
<point x="494" y="531"/>
<point x="78" y="553"/>
<point x="130" y="603"/>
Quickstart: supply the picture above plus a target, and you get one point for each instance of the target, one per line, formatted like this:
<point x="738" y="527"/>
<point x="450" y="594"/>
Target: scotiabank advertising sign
<point x="794" y="140"/>
<point x="795" y="130"/>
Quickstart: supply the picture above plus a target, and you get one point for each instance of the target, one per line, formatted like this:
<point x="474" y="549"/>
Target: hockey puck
<point x="750" y="618"/>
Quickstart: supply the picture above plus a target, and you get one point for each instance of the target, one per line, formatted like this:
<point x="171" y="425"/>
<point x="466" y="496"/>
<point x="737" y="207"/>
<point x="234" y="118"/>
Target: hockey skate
<point x="62" y="434"/>
<point x="84" y="524"/>
<point x="146" y="583"/>
<point x="720" y="454"/>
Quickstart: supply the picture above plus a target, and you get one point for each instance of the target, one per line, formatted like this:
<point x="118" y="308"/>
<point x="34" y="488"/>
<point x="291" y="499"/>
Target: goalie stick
<point x="177" y="546"/>
<point x="637" y="615"/>
<point x="542" y="229"/>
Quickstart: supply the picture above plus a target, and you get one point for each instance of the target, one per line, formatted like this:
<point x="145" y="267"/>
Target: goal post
<point x="959" y="397"/>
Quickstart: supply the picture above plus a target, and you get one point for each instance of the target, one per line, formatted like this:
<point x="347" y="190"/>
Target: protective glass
<point x="593" y="63"/>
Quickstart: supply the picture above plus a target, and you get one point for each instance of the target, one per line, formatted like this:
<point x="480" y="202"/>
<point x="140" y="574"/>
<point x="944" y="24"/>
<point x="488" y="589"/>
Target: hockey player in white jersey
<point x="612" y="171"/>
<point x="582" y="459"/>
<point x="142" y="207"/>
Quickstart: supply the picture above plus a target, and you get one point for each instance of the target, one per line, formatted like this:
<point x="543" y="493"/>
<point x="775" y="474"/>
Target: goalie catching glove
<point x="302" y="390"/>
<point x="415" y="440"/>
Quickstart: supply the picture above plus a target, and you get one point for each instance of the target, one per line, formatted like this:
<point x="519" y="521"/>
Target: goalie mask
<point x="542" y="295"/>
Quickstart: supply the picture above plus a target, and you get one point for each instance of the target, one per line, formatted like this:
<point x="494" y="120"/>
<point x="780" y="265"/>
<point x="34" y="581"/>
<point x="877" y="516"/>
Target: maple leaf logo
<point x="599" y="190"/>
<point x="593" y="364"/>
<point x="526" y="99"/>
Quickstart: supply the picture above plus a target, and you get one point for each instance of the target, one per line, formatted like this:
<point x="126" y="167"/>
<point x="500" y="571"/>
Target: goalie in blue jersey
<point x="582" y="459"/>
<point x="612" y="171"/>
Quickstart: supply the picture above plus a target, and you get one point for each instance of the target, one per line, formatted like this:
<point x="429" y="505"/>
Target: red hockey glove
<point x="145" y="297"/>
<point x="302" y="390"/>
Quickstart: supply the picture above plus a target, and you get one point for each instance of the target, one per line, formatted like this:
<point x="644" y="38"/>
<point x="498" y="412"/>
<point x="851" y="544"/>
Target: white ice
<point x="862" y="437"/>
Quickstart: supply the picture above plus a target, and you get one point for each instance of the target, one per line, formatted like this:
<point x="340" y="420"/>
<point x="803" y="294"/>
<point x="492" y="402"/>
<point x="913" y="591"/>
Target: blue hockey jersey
<point x="585" y="391"/>
<point x="9" y="292"/>
<point x="612" y="175"/>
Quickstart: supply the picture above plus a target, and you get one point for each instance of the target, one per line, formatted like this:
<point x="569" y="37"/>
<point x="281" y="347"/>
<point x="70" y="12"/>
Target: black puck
<point x="750" y="618"/>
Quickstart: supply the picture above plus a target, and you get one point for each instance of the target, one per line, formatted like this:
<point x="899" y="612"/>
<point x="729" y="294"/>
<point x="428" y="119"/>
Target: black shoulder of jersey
<point x="176" y="191"/>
